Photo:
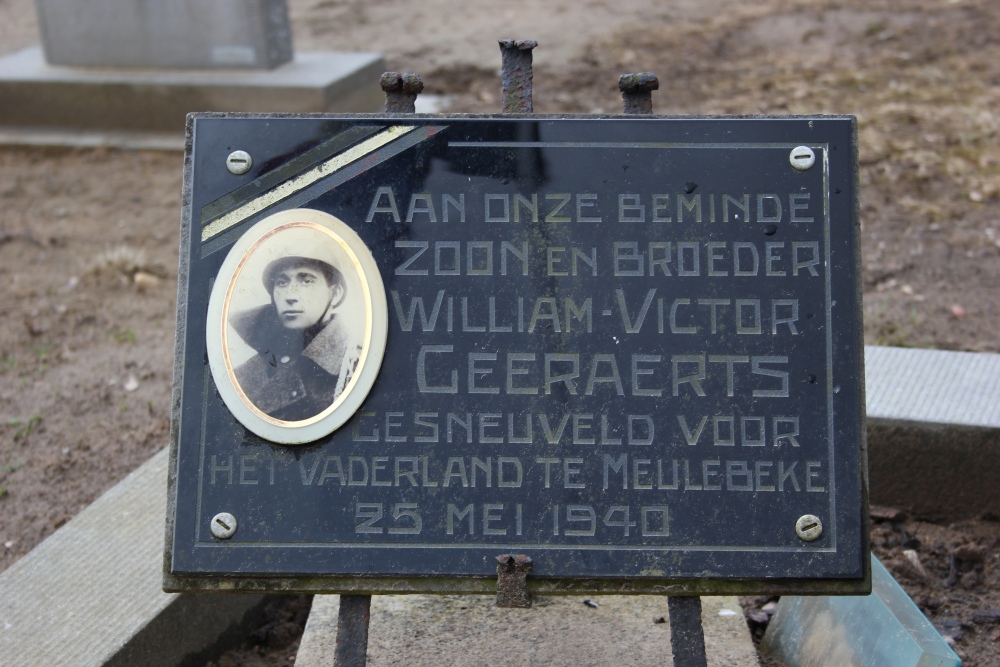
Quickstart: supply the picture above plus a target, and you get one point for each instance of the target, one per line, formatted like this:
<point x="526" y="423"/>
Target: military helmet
<point x="298" y="246"/>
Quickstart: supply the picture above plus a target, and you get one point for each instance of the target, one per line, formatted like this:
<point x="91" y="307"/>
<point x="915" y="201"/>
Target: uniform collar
<point x="260" y="329"/>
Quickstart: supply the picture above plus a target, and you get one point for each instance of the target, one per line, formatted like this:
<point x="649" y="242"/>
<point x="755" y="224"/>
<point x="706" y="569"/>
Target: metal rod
<point x="401" y="91"/>
<point x="516" y="75"/>
<point x="355" y="615"/>
<point x="637" y="88"/>
<point x="687" y="638"/>
<point x="512" y="580"/>
<point x="352" y="631"/>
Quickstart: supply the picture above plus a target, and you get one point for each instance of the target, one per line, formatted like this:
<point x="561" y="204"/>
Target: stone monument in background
<point x="178" y="34"/>
<point x="127" y="72"/>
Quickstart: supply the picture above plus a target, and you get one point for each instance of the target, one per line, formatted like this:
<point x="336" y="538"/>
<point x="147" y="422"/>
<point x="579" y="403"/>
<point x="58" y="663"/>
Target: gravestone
<point x="180" y="34"/>
<point x="626" y="348"/>
<point x="127" y="72"/>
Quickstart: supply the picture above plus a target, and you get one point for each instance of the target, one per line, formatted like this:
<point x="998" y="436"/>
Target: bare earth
<point x="88" y="238"/>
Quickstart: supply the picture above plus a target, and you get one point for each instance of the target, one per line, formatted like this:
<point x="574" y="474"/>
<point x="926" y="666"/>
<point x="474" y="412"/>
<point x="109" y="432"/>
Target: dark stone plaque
<point x="629" y="348"/>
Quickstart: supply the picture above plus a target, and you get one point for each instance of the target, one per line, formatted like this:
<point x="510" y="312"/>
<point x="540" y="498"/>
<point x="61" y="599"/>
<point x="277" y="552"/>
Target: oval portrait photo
<point x="297" y="324"/>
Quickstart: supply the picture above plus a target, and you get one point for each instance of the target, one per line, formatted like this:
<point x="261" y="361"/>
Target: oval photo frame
<point x="297" y="325"/>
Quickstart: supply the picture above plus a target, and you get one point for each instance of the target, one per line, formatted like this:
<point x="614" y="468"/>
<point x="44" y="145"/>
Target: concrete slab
<point x="41" y="97"/>
<point x="932" y="387"/>
<point x="154" y="141"/>
<point x="934" y="431"/>
<point x="469" y="630"/>
<point x="90" y="595"/>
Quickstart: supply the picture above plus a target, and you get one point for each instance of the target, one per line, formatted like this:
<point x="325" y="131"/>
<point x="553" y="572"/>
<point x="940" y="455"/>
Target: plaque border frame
<point x="486" y="584"/>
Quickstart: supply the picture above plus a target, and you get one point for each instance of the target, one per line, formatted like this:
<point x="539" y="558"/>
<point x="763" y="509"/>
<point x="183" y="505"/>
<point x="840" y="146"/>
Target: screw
<point x="809" y="527"/>
<point x="401" y="91"/>
<point x="239" y="162"/>
<point x="802" y="158"/>
<point x="223" y="525"/>
<point x="637" y="91"/>
<point x="516" y="75"/>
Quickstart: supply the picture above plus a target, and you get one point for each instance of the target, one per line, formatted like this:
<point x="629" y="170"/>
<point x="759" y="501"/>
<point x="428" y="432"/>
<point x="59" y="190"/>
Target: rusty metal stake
<point x="512" y="580"/>
<point x="637" y="90"/>
<point x="401" y="91"/>
<point x="352" y="631"/>
<point x="355" y="614"/>
<point x="516" y="76"/>
<point x="687" y="637"/>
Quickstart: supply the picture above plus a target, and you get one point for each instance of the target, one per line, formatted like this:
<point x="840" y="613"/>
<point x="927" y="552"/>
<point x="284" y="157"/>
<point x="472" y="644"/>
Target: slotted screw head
<point x="239" y="162"/>
<point x="223" y="525"/>
<point x="809" y="527"/>
<point x="802" y="158"/>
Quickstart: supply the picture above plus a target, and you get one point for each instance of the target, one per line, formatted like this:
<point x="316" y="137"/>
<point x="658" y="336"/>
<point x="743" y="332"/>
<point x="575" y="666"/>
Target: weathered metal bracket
<point x="516" y="75"/>
<point x="687" y="637"/>
<point x="637" y="95"/>
<point x="354" y="617"/>
<point x="353" y="621"/>
<point x="401" y="91"/>
<point x="512" y="580"/>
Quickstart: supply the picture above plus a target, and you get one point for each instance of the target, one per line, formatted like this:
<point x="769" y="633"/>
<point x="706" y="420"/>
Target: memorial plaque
<point x="629" y="348"/>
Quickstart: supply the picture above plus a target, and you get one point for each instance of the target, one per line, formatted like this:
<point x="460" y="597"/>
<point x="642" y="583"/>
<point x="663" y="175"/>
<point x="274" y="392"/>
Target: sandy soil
<point x="88" y="238"/>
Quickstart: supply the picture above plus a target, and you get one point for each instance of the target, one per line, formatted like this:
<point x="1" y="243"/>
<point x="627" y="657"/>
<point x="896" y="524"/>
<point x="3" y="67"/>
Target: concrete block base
<point x="246" y="34"/>
<point x="934" y="431"/>
<point x="39" y="97"/>
<point x="90" y="595"/>
<point x="940" y="473"/>
<point x="441" y="630"/>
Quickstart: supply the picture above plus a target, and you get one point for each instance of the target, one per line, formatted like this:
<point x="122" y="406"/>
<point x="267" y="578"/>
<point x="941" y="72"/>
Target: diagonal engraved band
<point x="303" y="180"/>
<point x="274" y="177"/>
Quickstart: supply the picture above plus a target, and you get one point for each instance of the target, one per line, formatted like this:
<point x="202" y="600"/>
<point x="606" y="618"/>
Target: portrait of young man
<point x="305" y="352"/>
